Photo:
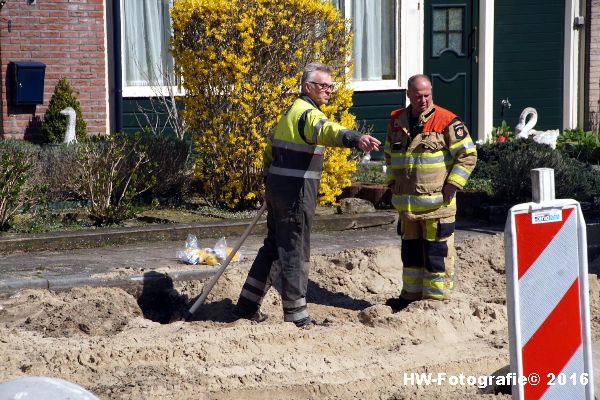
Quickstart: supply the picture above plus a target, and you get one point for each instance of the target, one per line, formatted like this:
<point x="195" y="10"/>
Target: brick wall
<point x="67" y="36"/>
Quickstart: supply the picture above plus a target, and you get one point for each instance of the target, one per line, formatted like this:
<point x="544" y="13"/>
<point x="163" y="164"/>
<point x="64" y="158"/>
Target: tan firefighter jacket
<point x="441" y="151"/>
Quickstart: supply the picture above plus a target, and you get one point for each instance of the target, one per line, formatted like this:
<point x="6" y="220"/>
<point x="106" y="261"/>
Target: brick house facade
<point x="69" y="37"/>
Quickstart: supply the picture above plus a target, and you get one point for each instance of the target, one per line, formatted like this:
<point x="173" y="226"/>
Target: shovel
<point x="213" y="279"/>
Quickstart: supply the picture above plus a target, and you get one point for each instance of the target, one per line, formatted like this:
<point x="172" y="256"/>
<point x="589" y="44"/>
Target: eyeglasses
<point x="323" y="86"/>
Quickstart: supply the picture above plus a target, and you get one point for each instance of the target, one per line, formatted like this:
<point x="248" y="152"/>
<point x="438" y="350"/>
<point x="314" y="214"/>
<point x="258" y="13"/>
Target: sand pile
<point x="107" y="340"/>
<point x="97" y="312"/>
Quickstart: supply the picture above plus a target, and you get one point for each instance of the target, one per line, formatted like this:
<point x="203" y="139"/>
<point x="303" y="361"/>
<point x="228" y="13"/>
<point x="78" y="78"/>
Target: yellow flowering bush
<point x="241" y="62"/>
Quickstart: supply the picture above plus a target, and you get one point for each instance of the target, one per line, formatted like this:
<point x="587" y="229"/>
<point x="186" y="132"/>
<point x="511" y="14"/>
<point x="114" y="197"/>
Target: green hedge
<point x="508" y="167"/>
<point x="122" y="169"/>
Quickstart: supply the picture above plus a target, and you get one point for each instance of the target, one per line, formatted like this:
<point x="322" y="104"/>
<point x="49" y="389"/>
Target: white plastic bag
<point x="191" y="242"/>
<point x="221" y="249"/>
<point x="189" y="254"/>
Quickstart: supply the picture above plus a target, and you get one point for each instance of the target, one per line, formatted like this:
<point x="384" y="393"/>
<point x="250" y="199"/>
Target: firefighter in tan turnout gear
<point x="429" y="155"/>
<point x="293" y="163"/>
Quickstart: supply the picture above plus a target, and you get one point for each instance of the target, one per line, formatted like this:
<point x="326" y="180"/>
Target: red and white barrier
<point x="547" y="296"/>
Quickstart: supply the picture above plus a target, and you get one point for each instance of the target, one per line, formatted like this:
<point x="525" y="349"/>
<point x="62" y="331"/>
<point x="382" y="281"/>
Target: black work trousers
<point x="291" y="206"/>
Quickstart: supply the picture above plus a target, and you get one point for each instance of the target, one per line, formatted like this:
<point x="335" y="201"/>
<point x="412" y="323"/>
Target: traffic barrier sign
<point x="547" y="296"/>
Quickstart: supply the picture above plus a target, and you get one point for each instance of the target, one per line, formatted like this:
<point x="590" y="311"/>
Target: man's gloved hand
<point x="448" y="191"/>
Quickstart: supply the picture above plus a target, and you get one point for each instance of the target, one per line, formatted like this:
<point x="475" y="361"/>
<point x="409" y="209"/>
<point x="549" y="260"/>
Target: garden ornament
<point x="71" y="118"/>
<point x="524" y="129"/>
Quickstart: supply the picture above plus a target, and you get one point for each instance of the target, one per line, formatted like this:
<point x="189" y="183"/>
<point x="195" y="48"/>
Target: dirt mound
<point x="120" y="347"/>
<point x="480" y="269"/>
<point x="461" y="318"/>
<point x="594" y="290"/>
<point x="355" y="278"/>
<point x="80" y="311"/>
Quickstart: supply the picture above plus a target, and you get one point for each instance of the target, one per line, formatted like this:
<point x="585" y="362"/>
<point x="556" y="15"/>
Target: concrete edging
<point x="14" y="285"/>
<point x="152" y="279"/>
<point x="174" y="232"/>
<point x="169" y="232"/>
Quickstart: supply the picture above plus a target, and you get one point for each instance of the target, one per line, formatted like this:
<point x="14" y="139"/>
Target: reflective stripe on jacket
<point x="297" y="145"/>
<point x="417" y="169"/>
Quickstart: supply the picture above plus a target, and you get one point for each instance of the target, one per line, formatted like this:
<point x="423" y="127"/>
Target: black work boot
<point x="305" y="323"/>
<point x="398" y="303"/>
<point x="258" y="316"/>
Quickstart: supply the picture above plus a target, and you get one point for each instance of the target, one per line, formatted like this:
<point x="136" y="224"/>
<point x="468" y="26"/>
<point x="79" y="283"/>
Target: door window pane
<point x="439" y="20"/>
<point x="455" y="19"/>
<point x="439" y="42"/>
<point x="455" y="42"/>
<point x="374" y="37"/>
<point x="447" y="30"/>
<point x="146" y="32"/>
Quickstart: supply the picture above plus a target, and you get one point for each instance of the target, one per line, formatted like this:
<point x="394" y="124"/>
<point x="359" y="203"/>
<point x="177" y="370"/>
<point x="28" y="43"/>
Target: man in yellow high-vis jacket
<point x="293" y="162"/>
<point x="429" y="156"/>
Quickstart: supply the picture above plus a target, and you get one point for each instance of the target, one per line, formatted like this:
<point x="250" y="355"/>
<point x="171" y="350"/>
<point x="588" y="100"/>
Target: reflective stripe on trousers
<point x="290" y="206"/>
<point x="428" y="258"/>
<point x="412" y="283"/>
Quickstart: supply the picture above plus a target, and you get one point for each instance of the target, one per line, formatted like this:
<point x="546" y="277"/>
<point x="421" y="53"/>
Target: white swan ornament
<point x="527" y="121"/>
<point x="71" y="118"/>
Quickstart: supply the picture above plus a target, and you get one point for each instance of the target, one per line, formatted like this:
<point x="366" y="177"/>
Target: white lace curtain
<point x="147" y="29"/>
<point x="146" y="32"/>
<point x="374" y="47"/>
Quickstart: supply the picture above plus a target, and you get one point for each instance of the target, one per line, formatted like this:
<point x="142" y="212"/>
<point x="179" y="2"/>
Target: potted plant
<point x="369" y="183"/>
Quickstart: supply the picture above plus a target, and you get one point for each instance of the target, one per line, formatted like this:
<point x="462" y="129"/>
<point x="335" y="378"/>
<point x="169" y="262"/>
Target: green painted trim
<point x="371" y="109"/>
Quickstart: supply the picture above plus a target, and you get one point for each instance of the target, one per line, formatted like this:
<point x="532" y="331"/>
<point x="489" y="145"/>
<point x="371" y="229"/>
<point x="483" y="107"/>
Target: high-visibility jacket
<point x="298" y="141"/>
<point x="418" y="167"/>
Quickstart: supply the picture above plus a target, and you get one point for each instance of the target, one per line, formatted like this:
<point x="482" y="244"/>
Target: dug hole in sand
<point x="106" y="340"/>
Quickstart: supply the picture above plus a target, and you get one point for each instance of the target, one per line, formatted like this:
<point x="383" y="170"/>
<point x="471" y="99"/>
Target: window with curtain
<point x="374" y="37"/>
<point x="146" y="30"/>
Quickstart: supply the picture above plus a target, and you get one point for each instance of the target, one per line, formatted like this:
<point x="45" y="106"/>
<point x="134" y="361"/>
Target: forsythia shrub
<point x="241" y="63"/>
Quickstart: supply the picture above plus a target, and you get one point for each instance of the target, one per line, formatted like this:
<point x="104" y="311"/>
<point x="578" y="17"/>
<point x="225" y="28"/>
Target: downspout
<point x="586" y="66"/>
<point x="117" y="65"/>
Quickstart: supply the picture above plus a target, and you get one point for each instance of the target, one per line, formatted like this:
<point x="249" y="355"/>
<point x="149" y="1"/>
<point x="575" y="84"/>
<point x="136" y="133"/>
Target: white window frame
<point x="411" y="41"/>
<point x="386" y="84"/>
<point x="142" y="91"/>
<point x="148" y="91"/>
<point x="409" y="34"/>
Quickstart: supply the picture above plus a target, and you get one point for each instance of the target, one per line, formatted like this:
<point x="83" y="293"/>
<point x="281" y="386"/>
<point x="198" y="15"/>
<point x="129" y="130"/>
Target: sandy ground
<point x="106" y="340"/>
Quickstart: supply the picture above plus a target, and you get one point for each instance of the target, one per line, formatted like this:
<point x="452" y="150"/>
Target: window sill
<point x="148" y="91"/>
<point x="357" y="86"/>
<point x="365" y="86"/>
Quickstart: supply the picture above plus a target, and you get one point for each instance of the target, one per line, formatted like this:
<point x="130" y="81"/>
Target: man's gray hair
<point x="413" y="78"/>
<point x="310" y="69"/>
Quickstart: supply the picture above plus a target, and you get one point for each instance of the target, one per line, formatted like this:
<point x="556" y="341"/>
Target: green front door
<point x="450" y="55"/>
<point x="529" y="53"/>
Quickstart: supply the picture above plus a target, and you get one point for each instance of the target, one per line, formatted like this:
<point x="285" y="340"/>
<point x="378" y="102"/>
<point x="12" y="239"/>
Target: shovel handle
<point x="213" y="279"/>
